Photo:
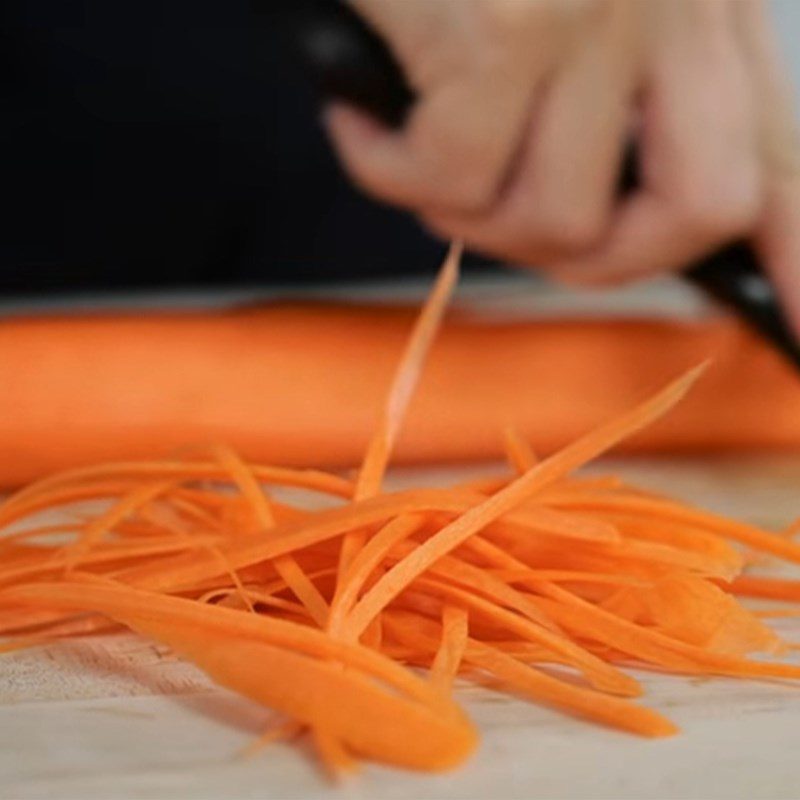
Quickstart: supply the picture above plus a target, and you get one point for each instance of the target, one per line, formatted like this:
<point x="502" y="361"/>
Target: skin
<point x="525" y="106"/>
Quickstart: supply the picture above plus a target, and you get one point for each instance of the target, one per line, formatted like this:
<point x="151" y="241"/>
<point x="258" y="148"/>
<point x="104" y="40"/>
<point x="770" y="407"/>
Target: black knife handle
<point x="349" y="61"/>
<point x="733" y="276"/>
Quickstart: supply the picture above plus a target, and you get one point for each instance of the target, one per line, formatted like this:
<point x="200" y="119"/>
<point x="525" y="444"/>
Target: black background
<point x="169" y="143"/>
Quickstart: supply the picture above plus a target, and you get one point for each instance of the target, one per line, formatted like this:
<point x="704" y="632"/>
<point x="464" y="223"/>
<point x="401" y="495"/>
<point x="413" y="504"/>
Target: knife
<point x="348" y="61"/>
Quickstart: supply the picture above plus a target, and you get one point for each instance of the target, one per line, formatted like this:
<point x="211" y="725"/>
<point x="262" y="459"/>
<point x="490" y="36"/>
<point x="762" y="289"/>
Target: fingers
<point x="777" y="234"/>
<point x="524" y="110"/>
<point x="475" y="92"/>
<point x="701" y="174"/>
<point x="560" y="196"/>
<point x="452" y="154"/>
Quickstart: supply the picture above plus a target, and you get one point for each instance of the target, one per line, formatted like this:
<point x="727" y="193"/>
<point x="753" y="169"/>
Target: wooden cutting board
<point x="121" y="718"/>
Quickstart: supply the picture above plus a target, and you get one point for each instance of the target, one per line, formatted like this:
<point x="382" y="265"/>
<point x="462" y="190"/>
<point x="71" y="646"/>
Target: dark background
<point x="168" y="143"/>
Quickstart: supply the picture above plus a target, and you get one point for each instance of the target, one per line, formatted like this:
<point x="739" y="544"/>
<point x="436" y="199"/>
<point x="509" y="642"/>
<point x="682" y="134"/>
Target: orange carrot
<point x="446" y="663"/>
<point x="666" y="511"/>
<point x="406" y="377"/>
<point x="130" y="385"/>
<point x="769" y="588"/>
<point x="427" y="731"/>
<point x="599" y="674"/>
<point x="542" y="687"/>
<point x="285" y="565"/>
<point x="537" y="477"/>
<point x="310" y="610"/>
<point x="519" y="453"/>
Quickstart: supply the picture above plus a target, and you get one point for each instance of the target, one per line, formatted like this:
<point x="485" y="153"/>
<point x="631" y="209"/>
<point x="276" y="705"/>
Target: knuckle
<point x="504" y="19"/>
<point x="567" y="233"/>
<point x="458" y="168"/>
<point x="466" y="190"/>
<point x="508" y="26"/>
<point x="472" y="194"/>
<point x="719" y="210"/>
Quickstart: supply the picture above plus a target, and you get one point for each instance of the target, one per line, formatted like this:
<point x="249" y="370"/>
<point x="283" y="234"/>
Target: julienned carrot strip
<point x="482" y="583"/>
<point x="578" y="526"/>
<point x="650" y="644"/>
<point x="255" y="597"/>
<point x="406" y="377"/>
<point x="364" y="562"/>
<point x="455" y="633"/>
<point x="490" y="577"/>
<point x="318" y="693"/>
<point x="666" y="511"/>
<point x="528" y="575"/>
<point x="574" y="699"/>
<point x="26" y="642"/>
<point x="764" y="587"/>
<point x="599" y="674"/>
<point x="184" y="470"/>
<point x="38" y="568"/>
<point x="562" y="463"/>
<point x="544" y="688"/>
<point x="286" y="566"/>
<point x="101" y="525"/>
<point x="250" y="655"/>
<point x="328" y="524"/>
<point x="16" y="621"/>
<point x="381" y="444"/>
<point x="228" y="570"/>
<point x="687" y="537"/>
<point x="519" y="453"/>
<point x="644" y="559"/>
<point x="118" y="601"/>
<point x="62" y="496"/>
<point x="387" y="540"/>
<point x="777" y="613"/>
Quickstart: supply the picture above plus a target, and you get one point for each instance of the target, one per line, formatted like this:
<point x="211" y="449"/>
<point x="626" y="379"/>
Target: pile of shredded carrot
<point x="543" y="583"/>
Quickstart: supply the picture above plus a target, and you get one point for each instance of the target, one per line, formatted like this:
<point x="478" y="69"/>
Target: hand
<point x="525" y="107"/>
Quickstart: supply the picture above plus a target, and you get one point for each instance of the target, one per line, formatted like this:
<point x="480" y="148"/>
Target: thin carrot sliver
<point x="764" y="587"/>
<point x="544" y="688"/>
<point x="546" y="582"/>
<point x="598" y="673"/>
<point x="407" y="374"/>
<point x="455" y="633"/>
<point x="406" y="377"/>
<point x="428" y="732"/>
<point x="562" y="463"/>
<point x="286" y="565"/>
<point x="519" y="453"/>
<point x="748" y="535"/>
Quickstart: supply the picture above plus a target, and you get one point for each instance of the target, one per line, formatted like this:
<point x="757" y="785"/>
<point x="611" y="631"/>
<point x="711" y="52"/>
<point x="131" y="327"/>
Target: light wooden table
<point x="120" y="718"/>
